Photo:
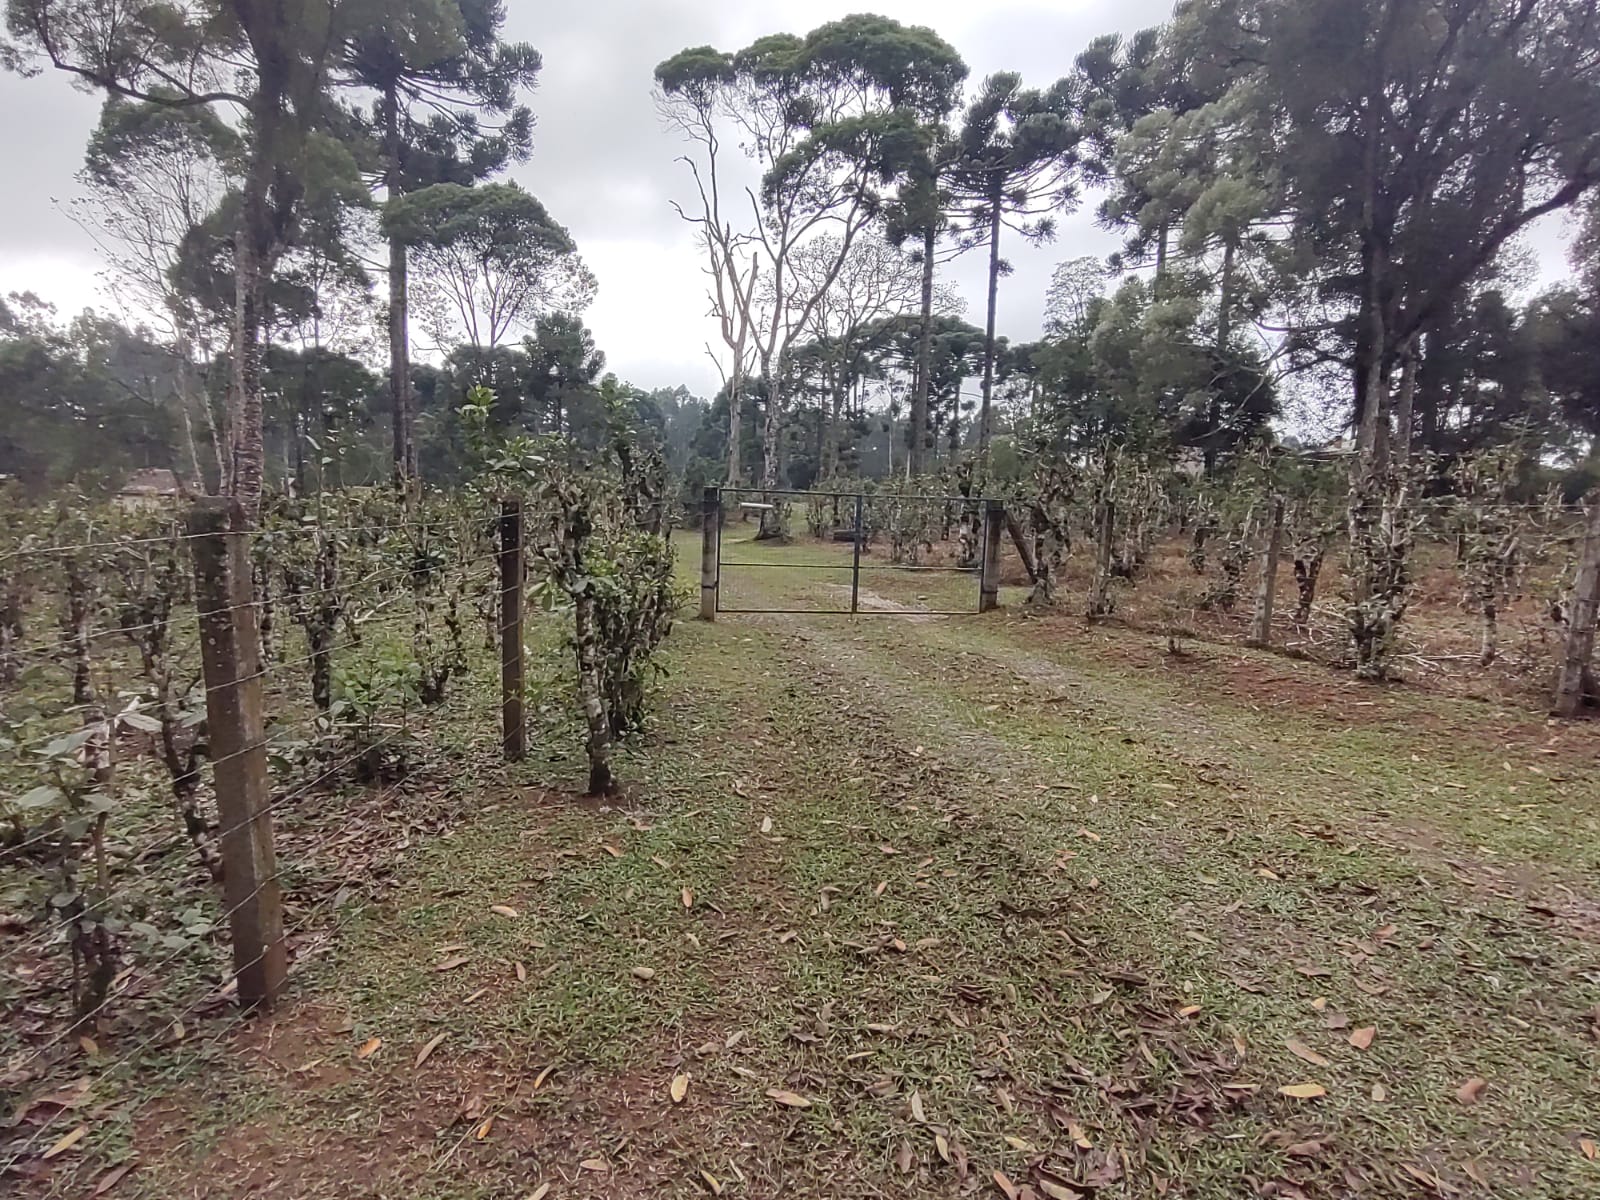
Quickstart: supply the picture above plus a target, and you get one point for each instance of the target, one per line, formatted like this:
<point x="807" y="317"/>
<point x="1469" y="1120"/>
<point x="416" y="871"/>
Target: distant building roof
<point x="153" y="481"/>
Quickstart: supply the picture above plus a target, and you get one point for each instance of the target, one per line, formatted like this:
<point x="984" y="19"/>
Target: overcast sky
<point x="604" y="165"/>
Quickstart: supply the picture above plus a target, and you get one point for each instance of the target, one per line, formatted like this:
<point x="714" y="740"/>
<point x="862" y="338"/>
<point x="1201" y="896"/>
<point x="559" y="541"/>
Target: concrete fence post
<point x="994" y="519"/>
<point x="230" y="654"/>
<point x="1266" y="589"/>
<point x="513" y="725"/>
<point x="710" y="536"/>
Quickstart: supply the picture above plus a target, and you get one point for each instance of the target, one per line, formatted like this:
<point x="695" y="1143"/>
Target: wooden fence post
<point x="513" y="725"/>
<point x="710" y="535"/>
<point x="1576" y="674"/>
<point x="230" y="652"/>
<point x="989" y="576"/>
<point x="1266" y="589"/>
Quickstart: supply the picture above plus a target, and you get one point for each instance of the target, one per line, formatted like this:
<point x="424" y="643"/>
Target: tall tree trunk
<point x="735" y="433"/>
<point x="984" y="417"/>
<point x="246" y="451"/>
<point x="400" y="402"/>
<point x="831" y="440"/>
<point x="1405" y="405"/>
<point x="1576" y="679"/>
<point x="916" y="461"/>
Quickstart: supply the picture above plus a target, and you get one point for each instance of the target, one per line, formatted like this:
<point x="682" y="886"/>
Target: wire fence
<point x="119" y="905"/>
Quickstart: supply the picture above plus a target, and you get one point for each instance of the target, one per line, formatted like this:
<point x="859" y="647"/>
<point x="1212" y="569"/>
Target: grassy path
<point x="910" y="902"/>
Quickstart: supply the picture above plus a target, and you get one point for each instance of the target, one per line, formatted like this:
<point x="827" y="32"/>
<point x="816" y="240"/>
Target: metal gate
<point x="841" y="547"/>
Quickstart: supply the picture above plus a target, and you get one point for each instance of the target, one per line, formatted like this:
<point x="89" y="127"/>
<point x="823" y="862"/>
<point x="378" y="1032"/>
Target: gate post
<point x="710" y="542"/>
<point x="513" y="723"/>
<point x="855" y="561"/>
<point x="989" y="571"/>
<point x="230" y="658"/>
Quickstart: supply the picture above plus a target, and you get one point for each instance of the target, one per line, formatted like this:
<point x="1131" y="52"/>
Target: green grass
<point x="987" y="861"/>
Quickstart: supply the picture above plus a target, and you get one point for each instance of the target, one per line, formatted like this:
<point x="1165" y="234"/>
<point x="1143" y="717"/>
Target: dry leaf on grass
<point x="1018" y="1144"/>
<point x="1362" y="1038"/>
<point x="538" y="1080"/>
<point x="687" y="896"/>
<point x="1303" y="1091"/>
<point x="1587" y="1148"/>
<point x="68" y="1142"/>
<point x="646" y="973"/>
<point x="1469" y="1091"/>
<point x="433" y="1044"/>
<point x="1300" y="1050"/>
<point x="1079" y="1138"/>
<point x="1005" y="1185"/>
<point x="679" y="1088"/>
<point x="917" y="1113"/>
<point x="450" y="964"/>
<point x="942" y="1145"/>
<point x="482" y="1131"/>
<point x="113" y="1177"/>
<point x="611" y="850"/>
<point x="788" y="1099"/>
<point x="504" y="910"/>
<point x="597" y="1165"/>
<point x="522" y="972"/>
<point x="712" y="1182"/>
<point x="1058" y="1191"/>
<point x="540" y="1192"/>
<point x="1379" y="1093"/>
<point x="766" y="824"/>
<point x="905" y="1158"/>
<point x="369" y="1047"/>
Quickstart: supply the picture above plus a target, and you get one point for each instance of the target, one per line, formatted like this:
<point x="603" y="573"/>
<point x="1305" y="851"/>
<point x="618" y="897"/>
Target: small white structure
<point x="153" y="487"/>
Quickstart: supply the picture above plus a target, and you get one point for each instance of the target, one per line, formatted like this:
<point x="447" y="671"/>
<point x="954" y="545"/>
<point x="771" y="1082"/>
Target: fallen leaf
<point x="89" y="1046"/>
<point x="1058" y="1191"/>
<point x="1019" y="1144"/>
<point x="482" y="1131"/>
<point x="67" y="1142"/>
<point x="643" y="973"/>
<point x="917" y="1114"/>
<point x="1586" y="1147"/>
<point x="766" y="824"/>
<point x="1379" y="1093"/>
<point x="539" y="1079"/>
<point x="680" y="1087"/>
<point x="712" y="1182"/>
<point x="611" y="850"/>
<point x="1469" y="1091"/>
<point x="369" y="1047"/>
<point x="1303" y="1091"/>
<point x="1362" y="1038"/>
<point x="687" y="896"/>
<point x="1005" y="1185"/>
<point x="450" y="964"/>
<point x="540" y="1192"/>
<point x="522" y="972"/>
<point x="433" y="1044"/>
<point x="1308" y="1149"/>
<point x="942" y="1146"/>
<point x="881" y="888"/>
<point x="905" y="1158"/>
<point x="788" y="1099"/>
<point x="113" y="1177"/>
<point x="1300" y="1050"/>
<point x="1471" y="1168"/>
<point x="595" y="1164"/>
<point x="1079" y="1138"/>
<point x="733" y="1039"/>
<point x="1188" y="1010"/>
<point x="1267" y="873"/>
<point x="505" y="910"/>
